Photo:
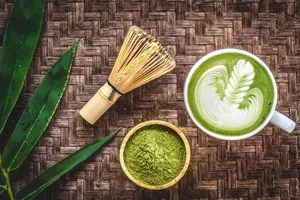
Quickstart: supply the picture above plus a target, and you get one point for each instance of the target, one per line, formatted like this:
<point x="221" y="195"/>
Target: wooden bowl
<point x="159" y="123"/>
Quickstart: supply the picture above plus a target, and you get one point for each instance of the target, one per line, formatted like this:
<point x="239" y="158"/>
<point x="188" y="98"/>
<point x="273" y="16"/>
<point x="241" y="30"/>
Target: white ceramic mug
<point x="274" y="116"/>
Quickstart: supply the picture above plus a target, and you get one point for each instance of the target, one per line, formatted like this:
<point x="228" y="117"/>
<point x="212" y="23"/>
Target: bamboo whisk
<point x="140" y="60"/>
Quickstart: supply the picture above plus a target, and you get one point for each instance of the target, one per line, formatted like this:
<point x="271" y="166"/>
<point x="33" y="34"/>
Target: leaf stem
<point x="6" y="175"/>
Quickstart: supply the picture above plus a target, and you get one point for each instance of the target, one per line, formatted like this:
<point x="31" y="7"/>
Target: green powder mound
<point x="155" y="157"/>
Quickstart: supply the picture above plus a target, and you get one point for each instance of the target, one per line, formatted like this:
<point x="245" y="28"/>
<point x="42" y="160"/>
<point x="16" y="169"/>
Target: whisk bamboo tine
<point x="140" y="60"/>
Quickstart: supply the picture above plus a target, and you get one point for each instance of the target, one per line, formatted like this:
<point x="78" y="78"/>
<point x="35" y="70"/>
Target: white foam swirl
<point x="219" y="97"/>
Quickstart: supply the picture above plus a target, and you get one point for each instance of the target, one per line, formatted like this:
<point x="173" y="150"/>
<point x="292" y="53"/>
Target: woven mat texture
<point x="265" y="166"/>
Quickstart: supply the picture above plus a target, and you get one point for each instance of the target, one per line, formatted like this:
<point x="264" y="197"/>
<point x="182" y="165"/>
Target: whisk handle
<point x="98" y="104"/>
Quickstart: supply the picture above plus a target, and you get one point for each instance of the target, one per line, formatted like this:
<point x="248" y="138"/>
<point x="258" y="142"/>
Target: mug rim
<point x="215" y="53"/>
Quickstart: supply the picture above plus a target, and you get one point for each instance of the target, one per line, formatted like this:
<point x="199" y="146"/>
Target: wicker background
<point x="265" y="166"/>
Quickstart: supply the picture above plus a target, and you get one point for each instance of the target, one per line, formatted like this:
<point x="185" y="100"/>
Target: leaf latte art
<point x="226" y="99"/>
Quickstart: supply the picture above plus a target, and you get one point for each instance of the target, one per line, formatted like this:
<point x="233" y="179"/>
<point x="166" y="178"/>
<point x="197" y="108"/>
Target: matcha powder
<point x="155" y="157"/>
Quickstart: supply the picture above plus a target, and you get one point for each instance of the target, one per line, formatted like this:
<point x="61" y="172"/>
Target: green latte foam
<point x="230" y="94"/>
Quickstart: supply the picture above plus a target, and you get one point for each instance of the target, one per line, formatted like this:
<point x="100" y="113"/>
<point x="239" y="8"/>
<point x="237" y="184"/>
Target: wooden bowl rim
<point x="175" y="129"/>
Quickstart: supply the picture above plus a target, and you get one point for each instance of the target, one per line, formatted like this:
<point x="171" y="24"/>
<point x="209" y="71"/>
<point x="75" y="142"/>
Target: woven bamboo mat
<point x="265" y="166"/>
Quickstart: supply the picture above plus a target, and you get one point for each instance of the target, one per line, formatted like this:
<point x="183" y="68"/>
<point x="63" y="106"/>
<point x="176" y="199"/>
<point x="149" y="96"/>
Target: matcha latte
<point x="230" y="94"/>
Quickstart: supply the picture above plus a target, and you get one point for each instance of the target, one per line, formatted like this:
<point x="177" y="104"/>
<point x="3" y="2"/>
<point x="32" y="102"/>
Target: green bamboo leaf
<point x="58" y="170"/>
<point x="39" y="111"/>
<point x="20" y="38"/>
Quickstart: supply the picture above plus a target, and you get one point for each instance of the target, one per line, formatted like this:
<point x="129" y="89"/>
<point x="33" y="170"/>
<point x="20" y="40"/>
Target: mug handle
<point x="283" y="122"/>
